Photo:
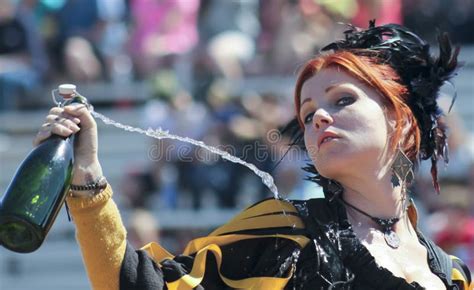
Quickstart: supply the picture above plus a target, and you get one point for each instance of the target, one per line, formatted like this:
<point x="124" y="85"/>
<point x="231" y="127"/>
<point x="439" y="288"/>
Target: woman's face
<point x="346" y="128"/>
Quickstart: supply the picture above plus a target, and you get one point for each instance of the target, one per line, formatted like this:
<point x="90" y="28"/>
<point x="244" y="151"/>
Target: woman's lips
<point x="326" y="137"/>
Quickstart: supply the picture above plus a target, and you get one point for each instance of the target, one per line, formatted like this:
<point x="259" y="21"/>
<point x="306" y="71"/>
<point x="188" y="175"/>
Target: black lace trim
<point x="353" y="254"/>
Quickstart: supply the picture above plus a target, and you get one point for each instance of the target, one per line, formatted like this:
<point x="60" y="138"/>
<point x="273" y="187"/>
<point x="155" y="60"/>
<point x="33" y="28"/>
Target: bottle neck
<point x="73" y="99"/>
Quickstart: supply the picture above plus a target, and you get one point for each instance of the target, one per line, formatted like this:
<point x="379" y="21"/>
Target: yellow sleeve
<point x="265" y="223"/>
<point x="101" y="236"/>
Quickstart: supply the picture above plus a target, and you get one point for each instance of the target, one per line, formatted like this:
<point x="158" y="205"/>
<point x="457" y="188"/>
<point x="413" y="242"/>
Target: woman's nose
<point x="321" y="118"/>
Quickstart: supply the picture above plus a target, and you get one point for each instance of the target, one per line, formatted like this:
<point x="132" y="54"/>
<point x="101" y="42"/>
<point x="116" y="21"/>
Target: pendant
<point x="391" y="238"/>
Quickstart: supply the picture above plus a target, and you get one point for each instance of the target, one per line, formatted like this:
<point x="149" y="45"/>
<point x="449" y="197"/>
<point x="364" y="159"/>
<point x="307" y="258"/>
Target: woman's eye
<point x="345" y="100"/>
<point x="308" y="118"/>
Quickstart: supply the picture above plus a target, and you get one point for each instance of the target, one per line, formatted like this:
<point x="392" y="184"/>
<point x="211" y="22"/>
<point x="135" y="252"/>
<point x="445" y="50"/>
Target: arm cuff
<point x="77" y="204"/>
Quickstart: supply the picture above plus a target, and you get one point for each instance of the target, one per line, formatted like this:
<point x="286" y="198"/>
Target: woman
<point x="365" y="112"/>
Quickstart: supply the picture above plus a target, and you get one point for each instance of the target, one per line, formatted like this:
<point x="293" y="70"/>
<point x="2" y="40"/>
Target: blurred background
<point x="217" y="71"/>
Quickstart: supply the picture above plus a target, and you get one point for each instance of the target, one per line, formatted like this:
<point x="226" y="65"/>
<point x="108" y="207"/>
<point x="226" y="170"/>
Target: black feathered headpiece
<point x="422" y="74"/>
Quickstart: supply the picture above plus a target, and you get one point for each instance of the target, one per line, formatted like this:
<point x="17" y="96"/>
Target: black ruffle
<point x="322" y="220"/>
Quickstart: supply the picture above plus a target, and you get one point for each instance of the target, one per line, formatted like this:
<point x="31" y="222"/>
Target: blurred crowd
<point x="127" y="40"/>
<point x="189" y="51"/>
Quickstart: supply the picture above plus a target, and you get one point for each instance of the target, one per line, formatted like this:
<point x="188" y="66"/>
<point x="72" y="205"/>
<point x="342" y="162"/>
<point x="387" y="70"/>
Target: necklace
<point x="390" y="236"/>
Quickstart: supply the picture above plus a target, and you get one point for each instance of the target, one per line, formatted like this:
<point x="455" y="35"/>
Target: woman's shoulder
<point x="268" y="216"/>
<point x="280" y="215"/>
<point x="320" y="213"/>
<point x="257" y="247"/>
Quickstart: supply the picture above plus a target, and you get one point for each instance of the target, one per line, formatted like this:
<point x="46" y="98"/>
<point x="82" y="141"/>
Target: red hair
<point x="382" y="78"/>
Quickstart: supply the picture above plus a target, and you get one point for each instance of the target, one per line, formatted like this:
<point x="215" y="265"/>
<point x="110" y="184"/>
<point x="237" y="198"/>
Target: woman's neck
<point x="375" y="196"/>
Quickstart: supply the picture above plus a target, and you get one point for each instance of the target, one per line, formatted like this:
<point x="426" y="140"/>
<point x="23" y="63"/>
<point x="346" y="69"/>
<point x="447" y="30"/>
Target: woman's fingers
<point x="63" y="116"/>
<point x="60" y="112"/>
<point x="57" y="122"/>
<point x="48" y="129"/>
<point x="61" y="130"/>
<point x="64" y="121"/>
<point x="56" y="111"/>
<point x="67" y="121"/>
<point x="82" y="113"/>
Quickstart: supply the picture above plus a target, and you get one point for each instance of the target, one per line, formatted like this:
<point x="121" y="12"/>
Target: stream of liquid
<point x="267" y="179"/>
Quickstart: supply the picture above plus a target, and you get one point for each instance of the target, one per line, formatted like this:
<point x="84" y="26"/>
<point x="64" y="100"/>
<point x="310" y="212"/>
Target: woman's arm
<point x="101" y="236"/>
<point x="100" y="232"/>
<point x="112" y="264"/>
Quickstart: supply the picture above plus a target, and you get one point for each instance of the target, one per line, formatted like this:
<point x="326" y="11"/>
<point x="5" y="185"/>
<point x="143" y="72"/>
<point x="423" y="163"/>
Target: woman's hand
<point x="70" y="120"/>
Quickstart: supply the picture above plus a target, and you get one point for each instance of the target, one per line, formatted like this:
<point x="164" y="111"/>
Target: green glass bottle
<point x="38" y="190"/>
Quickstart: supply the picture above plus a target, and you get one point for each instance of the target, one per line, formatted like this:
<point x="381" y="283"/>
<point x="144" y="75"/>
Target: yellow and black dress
<point x="273" y="244"/>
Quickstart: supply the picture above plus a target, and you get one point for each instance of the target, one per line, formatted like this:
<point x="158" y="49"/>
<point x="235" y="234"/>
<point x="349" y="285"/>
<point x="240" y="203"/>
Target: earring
<point x="402" y="169"/>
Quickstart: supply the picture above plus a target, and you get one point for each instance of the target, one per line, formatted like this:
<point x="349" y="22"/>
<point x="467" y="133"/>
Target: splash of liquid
<point x="290" y="261"/>
<point x="266" y="178"/>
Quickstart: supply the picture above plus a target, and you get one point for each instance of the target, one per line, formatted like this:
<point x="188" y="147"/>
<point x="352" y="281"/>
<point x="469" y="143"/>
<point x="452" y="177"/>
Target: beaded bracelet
<point x="96" y="186"/>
